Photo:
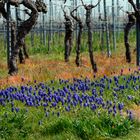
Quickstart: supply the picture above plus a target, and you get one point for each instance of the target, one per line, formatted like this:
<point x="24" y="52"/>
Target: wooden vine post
<point x="118" y="17"/>
<point x="50" y="23"/>
<point x="99" y="21"/>
<point x="138" y="33"/>
<point x="114" y="25"/>
<point x="8" y="34"/>
<point x="107" y="30"/>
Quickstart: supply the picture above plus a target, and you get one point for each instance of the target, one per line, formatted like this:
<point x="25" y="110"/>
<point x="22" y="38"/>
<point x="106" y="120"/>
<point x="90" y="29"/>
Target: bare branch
<point x="121" y="8"/>
<point x="27" y="12"/>
<point x="97" y="3"/>
<point x="63" y="8"/>
<point x="92" y="6"/>
<point x="83" y="3"/>
<point x="133" y="5"/>
<point x="72" y="13"/>
<point x="65" y="1"/>
<point x="76" y="8"/>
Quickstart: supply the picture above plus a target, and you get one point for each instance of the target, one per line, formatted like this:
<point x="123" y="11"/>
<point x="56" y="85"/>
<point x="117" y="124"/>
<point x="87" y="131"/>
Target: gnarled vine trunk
<point x="80" y="24"/>
<point x="131" y="22"/>
<point x="23" y="30"/>
<point x="88" y="22"/>
<point x="88" y="9"/>
<point x="68" y="36"/>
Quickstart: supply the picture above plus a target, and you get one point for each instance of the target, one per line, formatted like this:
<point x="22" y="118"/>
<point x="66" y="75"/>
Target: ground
<point x="45" y="68"/>
<point x="52" y="67"/>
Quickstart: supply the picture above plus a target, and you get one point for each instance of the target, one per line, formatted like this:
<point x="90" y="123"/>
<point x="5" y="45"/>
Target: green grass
<point x="79" y="124"/>
<point x="82" y="124"/>
<point x="57" y="44"/>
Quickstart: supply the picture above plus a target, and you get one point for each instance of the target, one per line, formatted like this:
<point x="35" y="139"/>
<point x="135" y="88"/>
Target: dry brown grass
<point x="44" y="69"/>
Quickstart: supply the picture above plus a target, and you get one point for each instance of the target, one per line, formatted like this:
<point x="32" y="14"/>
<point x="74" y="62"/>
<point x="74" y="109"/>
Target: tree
<point x="88" y="9"/>
<point x="68" y="35"/>
<point x="80" y="24"/>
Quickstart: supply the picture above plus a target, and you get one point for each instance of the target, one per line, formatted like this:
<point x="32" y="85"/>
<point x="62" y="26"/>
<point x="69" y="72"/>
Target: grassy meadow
<point x="53" y="100"/>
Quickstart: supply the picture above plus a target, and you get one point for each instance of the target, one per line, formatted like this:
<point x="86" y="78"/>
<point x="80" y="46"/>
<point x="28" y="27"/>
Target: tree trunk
<point x="127" y="28"/>
<point x="23" y="30"/>
<point x="78" y="46"/>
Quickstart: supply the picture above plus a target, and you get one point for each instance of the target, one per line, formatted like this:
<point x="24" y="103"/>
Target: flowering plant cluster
<point x="110" y="95"/>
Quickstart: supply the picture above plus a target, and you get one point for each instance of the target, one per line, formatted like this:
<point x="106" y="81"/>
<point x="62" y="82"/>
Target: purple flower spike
<point x="17" y="110"/>
<point x="58" y="114"/>
<point x="130" y="115"/>
<point x="40" y="122"/>
<point x="120" y="106"/>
